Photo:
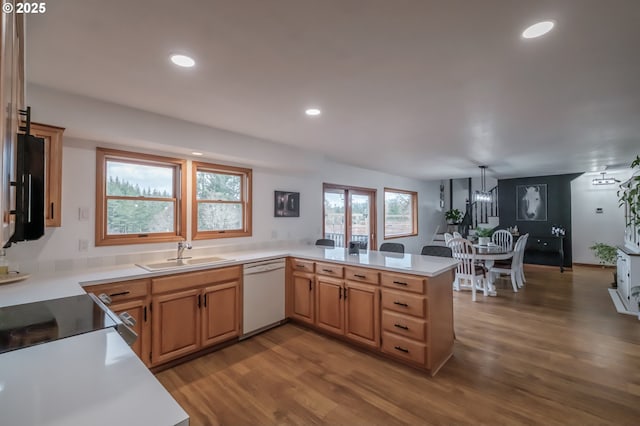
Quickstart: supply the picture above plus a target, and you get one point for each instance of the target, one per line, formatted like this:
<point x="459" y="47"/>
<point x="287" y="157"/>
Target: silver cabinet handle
<point x="128" y="319"/>
<point x="104" y="298"/>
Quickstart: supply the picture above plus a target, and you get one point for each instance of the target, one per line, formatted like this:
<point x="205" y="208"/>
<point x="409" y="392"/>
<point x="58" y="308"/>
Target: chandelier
<point x="482" y="196"/>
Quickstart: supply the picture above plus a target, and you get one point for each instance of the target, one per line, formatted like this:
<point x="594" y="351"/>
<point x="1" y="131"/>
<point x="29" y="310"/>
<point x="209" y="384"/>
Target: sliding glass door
<point x="349" y="215"/>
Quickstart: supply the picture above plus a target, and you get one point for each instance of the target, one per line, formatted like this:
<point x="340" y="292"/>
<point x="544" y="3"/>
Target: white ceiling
<point x="422" y="88"/>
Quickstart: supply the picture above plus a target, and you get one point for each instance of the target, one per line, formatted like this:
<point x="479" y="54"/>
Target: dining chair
<point x="392" y="247"/>
<point x="440" y="251"/>
<point x="502" y="238"/>
<point x="512" y="267"/>
<point x="447" y="237"/>
<point x="521" y="260"/>
<point x="325" y="242"/>
<point x="456" y="234"/>
<point x="468" y="273"/>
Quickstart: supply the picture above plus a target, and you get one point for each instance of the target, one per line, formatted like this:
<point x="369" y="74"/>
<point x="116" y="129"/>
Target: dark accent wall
<point x="558" y="213"/>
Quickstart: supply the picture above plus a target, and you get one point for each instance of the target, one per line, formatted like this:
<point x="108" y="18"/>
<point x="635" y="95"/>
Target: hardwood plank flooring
<point x="556" y="353"/>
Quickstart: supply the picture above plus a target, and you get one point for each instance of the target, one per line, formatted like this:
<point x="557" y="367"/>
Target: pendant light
<point x="482" y="196"/>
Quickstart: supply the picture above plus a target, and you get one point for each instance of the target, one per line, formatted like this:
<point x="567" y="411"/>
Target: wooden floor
<point x="555" y="353"/>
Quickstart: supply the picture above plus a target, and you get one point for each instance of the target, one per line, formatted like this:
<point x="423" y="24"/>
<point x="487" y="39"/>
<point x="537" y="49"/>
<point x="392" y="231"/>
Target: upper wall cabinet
<point x="53" y="171"/>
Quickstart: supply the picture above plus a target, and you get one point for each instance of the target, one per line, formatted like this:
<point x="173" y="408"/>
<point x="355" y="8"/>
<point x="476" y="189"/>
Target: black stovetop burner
<point x="39" y="322"/>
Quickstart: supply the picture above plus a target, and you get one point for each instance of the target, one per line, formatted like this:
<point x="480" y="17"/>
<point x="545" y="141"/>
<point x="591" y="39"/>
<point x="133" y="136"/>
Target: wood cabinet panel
<point x="404" y="348"/>
<point x="176" y="325"/>
<point x="329" y="269"/>
<point x="403" y="282"/>
<point x="302" y="265"/>
<point x="329" y="304"/>
<point x="52" y="136"/>
<point x="303" y="299"/>
<point x="365" y="275"/>
<point x="404" y="303"/>
<point x="138" y="310"/>
<point x="124" y="290"/>
<point x="194" y="279"/>
<point x="362" y="313"/>
<point x="221" y="306"/>
<point x="404" y="325"/>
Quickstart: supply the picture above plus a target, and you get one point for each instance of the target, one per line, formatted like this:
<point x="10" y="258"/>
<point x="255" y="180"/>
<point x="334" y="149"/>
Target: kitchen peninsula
<point x="414" y="321"/>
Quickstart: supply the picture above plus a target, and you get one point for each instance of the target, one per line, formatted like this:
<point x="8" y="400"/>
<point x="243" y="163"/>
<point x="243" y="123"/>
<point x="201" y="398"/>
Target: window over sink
<point x="139" y="198"/>
<point x="221" y="201"/>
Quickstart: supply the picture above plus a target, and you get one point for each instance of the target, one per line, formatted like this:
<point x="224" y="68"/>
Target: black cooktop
<point x="39" y="322"/>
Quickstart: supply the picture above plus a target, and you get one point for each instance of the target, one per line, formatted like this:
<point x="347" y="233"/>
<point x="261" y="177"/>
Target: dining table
<point x="489" y="254"/>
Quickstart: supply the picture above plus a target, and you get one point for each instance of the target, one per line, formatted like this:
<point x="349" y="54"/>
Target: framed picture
<point x="531" y="202"/>
<point x="286" y="204"/>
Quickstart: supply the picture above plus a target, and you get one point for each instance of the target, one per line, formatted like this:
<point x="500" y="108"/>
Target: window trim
<point x="348" y="190"/>
<point x="179" y="188"/>
<point x="246" y="200"/>
<point x="414" y="202"/>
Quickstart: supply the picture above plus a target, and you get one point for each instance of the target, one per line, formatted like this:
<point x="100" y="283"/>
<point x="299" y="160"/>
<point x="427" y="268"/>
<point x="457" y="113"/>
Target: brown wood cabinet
<point x="133" y="298"/>
<point x="407" y="317"/>
<point x="302" y="297"/>
<point x="52" y="136"/>
<point x="194" y="310"/>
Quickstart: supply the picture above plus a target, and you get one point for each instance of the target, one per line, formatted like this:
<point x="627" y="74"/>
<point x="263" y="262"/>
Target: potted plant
<point x="453" y="216"/>
<point x="635" y="293"/>
<point x="607" y="255"/>
<point x="629" y="193"/>
<point x="484" y="235"/>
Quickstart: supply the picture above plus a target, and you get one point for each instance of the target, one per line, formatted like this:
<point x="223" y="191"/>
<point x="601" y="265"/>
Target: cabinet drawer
<point x="330" y="270"/>
<point x="404" y="325"/>
<point x="404" y="282"/>
<point x="302" y="265"/>
<point x="124" y="290"/>
<point x="195" y="279"/>
<point x="403" y="348"/>
<point x="362" y="274"/>
<point x="404" y="303"/>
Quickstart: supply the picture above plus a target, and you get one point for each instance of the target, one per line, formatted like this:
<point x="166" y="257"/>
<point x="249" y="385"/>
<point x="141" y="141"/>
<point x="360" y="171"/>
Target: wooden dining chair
<point x="502" y="238"/>
<point x="468" y="274"/>
<point x="512" y="267"/>
<point x="456" y="234"/>
<point x="447" y="237"/>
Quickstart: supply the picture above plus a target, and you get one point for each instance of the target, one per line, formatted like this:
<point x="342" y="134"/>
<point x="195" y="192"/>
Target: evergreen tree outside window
<point x="221" y="201"/>
<point x="139" y="198"/>
<point x="400" y="213"/>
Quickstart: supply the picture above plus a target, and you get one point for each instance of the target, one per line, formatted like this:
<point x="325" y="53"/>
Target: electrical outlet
<point x="83" y="245"/>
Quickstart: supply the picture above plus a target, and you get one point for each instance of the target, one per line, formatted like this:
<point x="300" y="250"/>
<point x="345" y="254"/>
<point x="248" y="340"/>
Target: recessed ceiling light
<point x="538" y="29"/>
<point x="196" y="153"/>
<point x="313" y="111"/>
<point x="183" y="61"/>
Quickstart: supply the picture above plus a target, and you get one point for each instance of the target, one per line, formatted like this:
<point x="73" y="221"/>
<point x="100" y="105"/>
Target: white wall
<point x="589" y="227"/>
<point x="92" y="123"/>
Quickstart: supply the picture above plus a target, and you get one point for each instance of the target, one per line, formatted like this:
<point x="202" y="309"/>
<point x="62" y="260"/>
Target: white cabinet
<point x="628" y="277"/>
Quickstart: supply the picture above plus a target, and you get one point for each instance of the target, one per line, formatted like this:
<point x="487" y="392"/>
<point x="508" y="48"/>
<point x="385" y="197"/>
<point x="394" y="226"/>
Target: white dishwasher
<point x="263" y="296"/>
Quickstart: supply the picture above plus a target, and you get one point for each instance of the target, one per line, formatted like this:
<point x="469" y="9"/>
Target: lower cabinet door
<point x="362" y="313"/>
<point x="303" y="297"/>
<point x="329" y="304"/>
<point x="176" y="325"/>
<point x="221" y="313"/>
<point x="137" y="309"/>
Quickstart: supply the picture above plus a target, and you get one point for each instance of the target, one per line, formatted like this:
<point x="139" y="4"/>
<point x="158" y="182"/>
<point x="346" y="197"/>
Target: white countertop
<point x="51" y="286"/>
<point x="90" y="379"/>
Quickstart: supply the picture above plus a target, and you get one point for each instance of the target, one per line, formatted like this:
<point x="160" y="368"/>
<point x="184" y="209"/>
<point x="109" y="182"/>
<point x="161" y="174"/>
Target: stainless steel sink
<point x="182" y="263"/>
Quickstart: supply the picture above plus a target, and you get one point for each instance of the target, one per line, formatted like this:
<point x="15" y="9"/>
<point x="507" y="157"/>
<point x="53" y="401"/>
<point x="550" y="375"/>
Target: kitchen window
<point x="400" y="213"/>
<point x="221" y="201"/>
<point x="139" y="198"/>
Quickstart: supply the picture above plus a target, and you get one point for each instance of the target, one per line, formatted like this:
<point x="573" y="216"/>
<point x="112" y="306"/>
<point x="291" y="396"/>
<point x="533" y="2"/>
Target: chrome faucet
<point x="181" y="246"/>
